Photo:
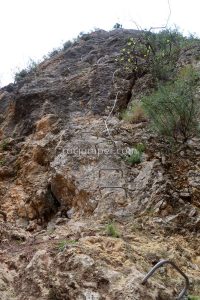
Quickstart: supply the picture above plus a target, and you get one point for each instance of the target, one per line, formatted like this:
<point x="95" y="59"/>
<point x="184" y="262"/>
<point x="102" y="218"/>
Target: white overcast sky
<point x="32" y="28"/>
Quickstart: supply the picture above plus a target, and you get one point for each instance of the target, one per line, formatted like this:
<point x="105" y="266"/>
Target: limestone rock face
<point x="76" y="220"/>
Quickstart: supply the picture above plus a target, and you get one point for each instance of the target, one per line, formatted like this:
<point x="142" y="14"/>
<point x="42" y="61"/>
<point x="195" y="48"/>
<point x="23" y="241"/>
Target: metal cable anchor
<point x="163" y="262"/>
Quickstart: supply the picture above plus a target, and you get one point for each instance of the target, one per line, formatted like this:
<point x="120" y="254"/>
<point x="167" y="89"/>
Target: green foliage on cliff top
<point x="155" y="53"/>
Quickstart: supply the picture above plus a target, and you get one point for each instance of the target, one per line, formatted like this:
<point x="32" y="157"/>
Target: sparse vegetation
<point x="4" y="145"/>
<point x="62" y="244"/>
<point x="112" y="231"/>
<point x="31" y="68"/>
<point x="135" y="114"/>
<point x="53" y="52"/>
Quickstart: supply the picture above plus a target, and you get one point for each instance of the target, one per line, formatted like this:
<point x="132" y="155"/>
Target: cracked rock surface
<point x="64" y="184"/>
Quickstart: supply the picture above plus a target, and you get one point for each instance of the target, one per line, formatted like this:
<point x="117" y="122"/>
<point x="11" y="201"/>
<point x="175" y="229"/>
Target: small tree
<point x="174" y="108"/>
<point x="155" y="53"/>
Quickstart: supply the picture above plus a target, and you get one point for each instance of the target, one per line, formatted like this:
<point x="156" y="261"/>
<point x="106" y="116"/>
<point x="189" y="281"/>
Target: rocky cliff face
<point x="63" y="181"/>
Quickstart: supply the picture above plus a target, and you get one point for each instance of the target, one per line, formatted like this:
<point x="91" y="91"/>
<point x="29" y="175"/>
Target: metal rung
<point x="86" y="132"/>
<point x="113" y="187"/>
<point x="163" y="262"/>
<point x="106" y="141"/>
<point x="92" y="133"/>
<point x="111" y="169"/>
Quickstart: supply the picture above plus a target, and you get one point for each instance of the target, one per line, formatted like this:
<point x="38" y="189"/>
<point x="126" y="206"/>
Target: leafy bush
<point x="174" y="109"/>
<point x="111" y="230"/>
<point x="193" y="297"/>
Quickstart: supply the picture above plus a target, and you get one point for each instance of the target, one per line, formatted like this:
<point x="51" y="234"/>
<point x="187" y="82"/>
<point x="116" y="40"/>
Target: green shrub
<point x="111" y="230"/>
<point x="174" y="109"/>
<point x="135" y="157"/>
<point x="193" y="297"/>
